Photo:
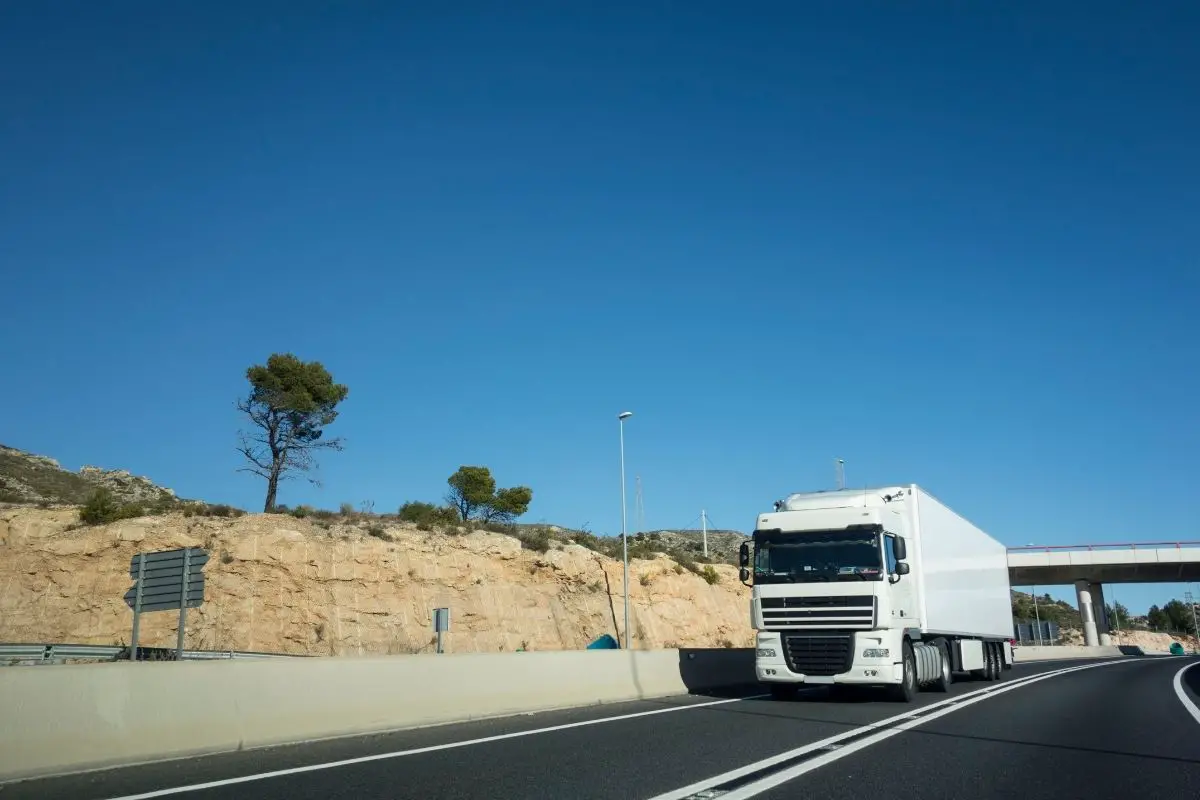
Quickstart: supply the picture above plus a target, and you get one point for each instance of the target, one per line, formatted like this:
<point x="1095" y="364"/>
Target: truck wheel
<point x="783" y="691"/>
<point x="942" y="682"/>
<point x="906" y="690"/>
<point x="998" y="659"/>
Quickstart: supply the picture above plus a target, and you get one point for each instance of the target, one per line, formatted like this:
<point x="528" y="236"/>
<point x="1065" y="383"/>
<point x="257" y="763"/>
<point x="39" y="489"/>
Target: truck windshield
<point x="814" y="556"/>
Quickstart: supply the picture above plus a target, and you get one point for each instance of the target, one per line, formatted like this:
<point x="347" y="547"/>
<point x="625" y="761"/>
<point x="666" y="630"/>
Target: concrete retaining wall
<point x="66" y="718"/>
<point x="1047" y="653"/>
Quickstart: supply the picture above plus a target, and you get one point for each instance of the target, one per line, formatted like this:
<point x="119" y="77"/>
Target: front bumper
<point x="771" y="664"/>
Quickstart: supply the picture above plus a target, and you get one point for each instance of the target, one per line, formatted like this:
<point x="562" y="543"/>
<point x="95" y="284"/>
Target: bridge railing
<point x="1054" y="548"/>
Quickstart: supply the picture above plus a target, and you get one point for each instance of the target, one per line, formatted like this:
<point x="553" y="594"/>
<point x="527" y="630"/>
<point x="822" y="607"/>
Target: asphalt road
<point x="1117" y="730"/>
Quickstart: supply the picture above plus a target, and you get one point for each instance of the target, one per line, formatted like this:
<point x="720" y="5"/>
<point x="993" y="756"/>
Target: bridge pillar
<point x="1100" y="612"/>
<point x="1083" y="593"/>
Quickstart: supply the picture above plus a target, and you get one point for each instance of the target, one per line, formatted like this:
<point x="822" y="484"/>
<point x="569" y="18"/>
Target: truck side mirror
<point x="744" y="556"/>
<point x="901" y="568"/>
<point x="744" y="575"/>
<point x="901" y="550"/>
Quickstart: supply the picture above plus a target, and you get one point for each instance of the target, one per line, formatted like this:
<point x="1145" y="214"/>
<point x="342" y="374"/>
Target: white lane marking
<point x="918" y="715"/>
<point x="1183" y="695"/>
<point x="261" y="776"/>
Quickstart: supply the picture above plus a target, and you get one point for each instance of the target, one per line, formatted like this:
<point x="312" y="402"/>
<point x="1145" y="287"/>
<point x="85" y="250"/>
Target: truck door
<point x="902" y="591"/>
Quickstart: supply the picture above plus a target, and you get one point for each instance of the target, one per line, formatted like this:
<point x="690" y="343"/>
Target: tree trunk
<point x="272" y="489"/>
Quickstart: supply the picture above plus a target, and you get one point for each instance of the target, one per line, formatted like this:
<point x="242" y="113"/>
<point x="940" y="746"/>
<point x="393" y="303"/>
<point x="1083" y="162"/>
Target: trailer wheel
<point x="906" y="690"/>
<point x="998" y="647"/>
<point x="942" y="682"/>
<point x="994" y="661"/>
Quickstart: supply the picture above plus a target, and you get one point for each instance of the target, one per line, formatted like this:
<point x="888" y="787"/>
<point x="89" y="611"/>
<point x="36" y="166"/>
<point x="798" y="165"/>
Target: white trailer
<point x="878" y="587"/>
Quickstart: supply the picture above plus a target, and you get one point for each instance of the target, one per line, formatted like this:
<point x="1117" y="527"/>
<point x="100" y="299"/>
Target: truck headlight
<point x="876" y="652"/>
<point x="765" y="652"/>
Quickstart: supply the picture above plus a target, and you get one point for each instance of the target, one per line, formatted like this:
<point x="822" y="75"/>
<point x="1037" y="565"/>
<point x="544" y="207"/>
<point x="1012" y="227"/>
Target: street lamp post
<point x="624" y="415"/>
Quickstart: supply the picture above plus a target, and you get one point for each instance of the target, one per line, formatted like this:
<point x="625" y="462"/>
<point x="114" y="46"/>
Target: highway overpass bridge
<point x="1089" y="566"/>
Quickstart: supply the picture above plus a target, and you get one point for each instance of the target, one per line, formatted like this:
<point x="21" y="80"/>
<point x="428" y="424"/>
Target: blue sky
<point x="952" y="245"/>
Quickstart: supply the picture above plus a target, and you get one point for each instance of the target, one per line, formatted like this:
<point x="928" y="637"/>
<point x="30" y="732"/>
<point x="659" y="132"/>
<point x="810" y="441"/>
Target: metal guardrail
<point x="11" y="654"/>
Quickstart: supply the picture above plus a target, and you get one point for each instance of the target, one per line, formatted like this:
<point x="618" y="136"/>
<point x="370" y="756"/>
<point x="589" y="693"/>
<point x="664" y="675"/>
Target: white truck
<point x="878" y="587"/>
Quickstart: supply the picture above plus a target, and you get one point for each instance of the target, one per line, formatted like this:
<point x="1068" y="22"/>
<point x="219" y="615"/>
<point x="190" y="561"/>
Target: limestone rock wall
<point x="279" y="584"/>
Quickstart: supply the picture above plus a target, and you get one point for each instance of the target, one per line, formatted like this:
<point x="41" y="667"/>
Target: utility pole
<point x="841" y="473"/>
<point x="624" y="415"/>
<point x="704" y="530"/>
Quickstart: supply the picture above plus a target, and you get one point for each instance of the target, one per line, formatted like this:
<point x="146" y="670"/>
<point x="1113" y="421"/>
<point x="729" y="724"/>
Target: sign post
<point x="441" y="624"/>
<point x="165" y="581"/>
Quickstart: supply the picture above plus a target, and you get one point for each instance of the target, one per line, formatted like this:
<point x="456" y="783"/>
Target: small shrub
<point x="379" y="532"/>
<point x="728" y="645"/>
<point x="102" y="508"/>
<point x="222" y="510"/>
<point x="324" y="514"/>
<point x="679" y="570"/>
<point x="428" y="514"/>
<point x="710" y="575"/>
<point x="646" y="579"/>
<point x="226" y="558"/>
<point x="300" y="512"/>
<point x="346" y="509"/>
<point x="537" y="539"/>
<point x="425" y="526"/>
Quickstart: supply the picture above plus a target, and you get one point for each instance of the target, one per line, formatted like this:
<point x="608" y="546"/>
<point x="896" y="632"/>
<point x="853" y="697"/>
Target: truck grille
<point x="818" y="654"/>
<point x="779" y="613"/>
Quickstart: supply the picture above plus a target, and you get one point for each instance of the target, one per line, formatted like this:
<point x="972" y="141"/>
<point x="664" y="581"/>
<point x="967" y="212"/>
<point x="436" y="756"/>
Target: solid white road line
<point x="909" y="719"/>
<point x="261" y="776"/>
<point x="1182" y="693"/>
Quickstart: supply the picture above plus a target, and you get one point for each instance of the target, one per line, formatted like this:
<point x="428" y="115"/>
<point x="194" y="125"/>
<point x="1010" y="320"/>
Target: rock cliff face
<point x="30" y="478"/>
<point x="280" y="584"/>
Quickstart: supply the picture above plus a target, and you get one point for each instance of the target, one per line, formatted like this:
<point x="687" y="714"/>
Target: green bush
<point x="536" y="539"/>
<point x="428" y="515"/>
<point x="710" y="574"/>
<point x="102" y="508"/>
<point x="379" y="532"/>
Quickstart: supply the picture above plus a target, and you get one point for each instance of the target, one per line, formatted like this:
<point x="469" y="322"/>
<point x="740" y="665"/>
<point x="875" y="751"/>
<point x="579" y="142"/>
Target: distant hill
<point x="1065" y="615"/>
<point x="722" y="544"/>
<point x="27" y="478"/>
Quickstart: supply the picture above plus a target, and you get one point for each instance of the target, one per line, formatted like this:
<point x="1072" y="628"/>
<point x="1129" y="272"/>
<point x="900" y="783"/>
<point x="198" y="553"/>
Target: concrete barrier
<point x="1066" y="651"/>
<point x="66" y="718"/>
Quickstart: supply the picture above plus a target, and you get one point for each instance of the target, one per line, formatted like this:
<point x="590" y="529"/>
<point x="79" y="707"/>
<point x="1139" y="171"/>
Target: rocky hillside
<point x="30" y="478"/>
<point x="349" y="586"/>
<point x="722" y="545"/>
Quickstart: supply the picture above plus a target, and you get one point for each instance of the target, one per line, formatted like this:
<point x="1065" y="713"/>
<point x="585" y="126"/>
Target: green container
<point x="1176" y="649"/>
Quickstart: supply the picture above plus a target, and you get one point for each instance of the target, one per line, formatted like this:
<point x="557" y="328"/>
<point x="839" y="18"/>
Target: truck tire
<point x="942" y="682"/>
<point x="906" y="690"/>
<point x="997" y="666"/>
